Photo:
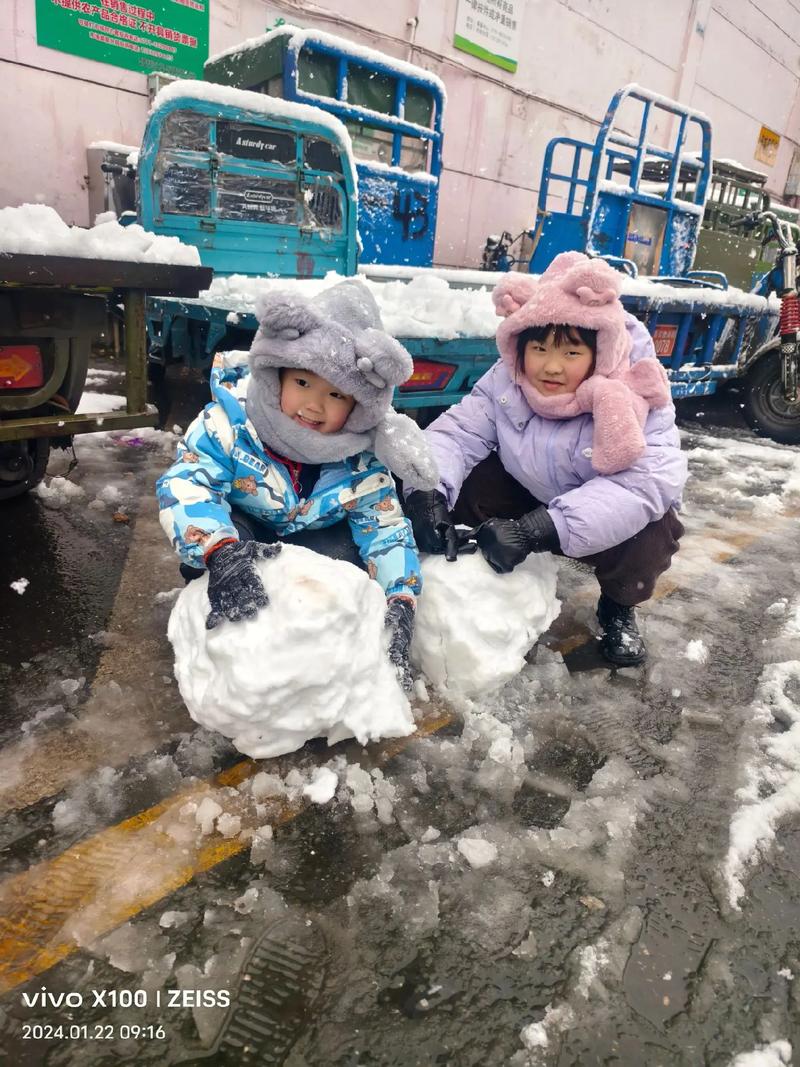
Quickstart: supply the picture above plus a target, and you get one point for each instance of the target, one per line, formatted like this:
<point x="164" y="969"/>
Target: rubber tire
<point x="764" y="409"/>
<point x="41" y="454"/>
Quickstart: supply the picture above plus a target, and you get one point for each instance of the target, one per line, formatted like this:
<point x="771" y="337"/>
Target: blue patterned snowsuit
<point x="222" y="464"/>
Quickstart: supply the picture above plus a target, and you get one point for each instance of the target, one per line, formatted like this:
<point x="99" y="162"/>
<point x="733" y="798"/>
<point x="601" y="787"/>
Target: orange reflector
<point x="428" y="375"/>
<point x="20" y="367"/>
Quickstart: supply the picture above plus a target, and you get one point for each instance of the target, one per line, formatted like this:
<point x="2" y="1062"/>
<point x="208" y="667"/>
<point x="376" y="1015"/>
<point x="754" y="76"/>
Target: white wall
<point x="737" y="60"/>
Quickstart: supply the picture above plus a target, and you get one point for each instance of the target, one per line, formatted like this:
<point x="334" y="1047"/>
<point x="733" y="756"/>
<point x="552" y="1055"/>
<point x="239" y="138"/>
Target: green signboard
<point x="163" y="35"/>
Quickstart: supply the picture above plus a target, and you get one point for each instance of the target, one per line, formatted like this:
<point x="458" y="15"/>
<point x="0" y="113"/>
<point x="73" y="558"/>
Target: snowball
<point x="20" y="585"/>
<point x="477" y="851"/>
<point x="313" y="663"/>
<point x="322" y="785"/>
<point x="474" y="627"/>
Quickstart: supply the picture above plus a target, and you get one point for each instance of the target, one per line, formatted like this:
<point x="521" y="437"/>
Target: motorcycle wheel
<point x="765" y="407"/>
<point x="22" y="468"/>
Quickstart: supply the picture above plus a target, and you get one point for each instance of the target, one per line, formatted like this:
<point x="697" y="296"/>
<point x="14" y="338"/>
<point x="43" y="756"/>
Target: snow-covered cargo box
<point x="704" y="332"/>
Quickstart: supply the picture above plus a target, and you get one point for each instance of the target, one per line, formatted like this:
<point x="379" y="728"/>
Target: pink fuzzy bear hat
<point x="578" y="291"/>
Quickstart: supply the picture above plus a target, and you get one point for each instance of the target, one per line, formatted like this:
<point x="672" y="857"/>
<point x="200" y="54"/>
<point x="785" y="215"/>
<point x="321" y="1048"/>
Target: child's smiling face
<point x="554" y="369"/>
<point x="314" y="402"/>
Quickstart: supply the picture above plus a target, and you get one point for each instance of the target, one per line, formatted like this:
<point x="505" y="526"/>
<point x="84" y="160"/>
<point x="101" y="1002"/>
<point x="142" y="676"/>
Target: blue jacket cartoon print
<point x="221" y="463"/>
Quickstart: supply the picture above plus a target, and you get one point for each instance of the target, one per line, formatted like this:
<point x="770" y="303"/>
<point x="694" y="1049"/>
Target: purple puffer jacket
<point x="552" y="459"/>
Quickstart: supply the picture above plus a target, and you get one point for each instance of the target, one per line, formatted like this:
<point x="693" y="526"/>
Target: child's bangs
<point x="562" y="334"/>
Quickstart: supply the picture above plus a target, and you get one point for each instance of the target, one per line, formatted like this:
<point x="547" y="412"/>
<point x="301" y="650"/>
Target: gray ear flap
<point x="284" y="314"/>
<point x="381" y="359"/>
<point x="401" y="446"/>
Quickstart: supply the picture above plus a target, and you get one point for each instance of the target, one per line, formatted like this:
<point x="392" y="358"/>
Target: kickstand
<point x="73" y="463"/>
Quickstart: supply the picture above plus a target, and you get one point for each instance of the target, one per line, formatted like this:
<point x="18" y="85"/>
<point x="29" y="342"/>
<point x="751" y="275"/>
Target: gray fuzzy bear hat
<point x="338" y="335"/>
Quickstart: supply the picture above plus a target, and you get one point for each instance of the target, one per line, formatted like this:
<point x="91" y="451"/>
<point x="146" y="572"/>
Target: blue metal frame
<point x="609" y="219"/>
<point x="397" y="211"/>
<point x="250" y="247"/>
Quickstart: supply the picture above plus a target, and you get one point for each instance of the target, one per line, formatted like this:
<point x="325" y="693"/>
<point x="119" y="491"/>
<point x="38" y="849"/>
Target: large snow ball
<point x="474" y="626"/>
<point x="313" y="663"/>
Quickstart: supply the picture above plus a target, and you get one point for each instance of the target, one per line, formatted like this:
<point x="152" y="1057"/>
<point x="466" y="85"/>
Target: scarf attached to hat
<point x="337" y="334"/>
<point x="578" y="291"/>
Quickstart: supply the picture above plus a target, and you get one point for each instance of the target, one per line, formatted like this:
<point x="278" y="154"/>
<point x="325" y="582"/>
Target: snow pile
<point x="58" y="492"/>
<point x="474" y="627"/>
<point x="771" y="791"/>
<point x="423" y="305"/>
<point x="36" y="229"/>
<point x="94" y="403"/>
<point x="313" y="663"/>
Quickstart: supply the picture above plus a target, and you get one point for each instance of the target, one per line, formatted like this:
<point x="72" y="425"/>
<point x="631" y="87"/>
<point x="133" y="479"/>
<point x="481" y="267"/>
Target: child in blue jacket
<point x="297" y="446"/>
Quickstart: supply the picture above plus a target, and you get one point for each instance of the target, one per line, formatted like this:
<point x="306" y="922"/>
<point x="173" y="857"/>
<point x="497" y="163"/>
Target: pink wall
<point x="724" y="57"/>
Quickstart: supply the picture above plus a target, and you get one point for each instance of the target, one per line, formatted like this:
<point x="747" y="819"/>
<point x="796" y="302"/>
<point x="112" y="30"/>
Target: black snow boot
<point x="621" y="642"/>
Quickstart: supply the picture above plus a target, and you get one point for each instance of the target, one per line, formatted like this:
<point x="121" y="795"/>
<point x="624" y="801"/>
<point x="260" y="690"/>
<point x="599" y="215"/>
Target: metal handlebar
<point x="778" y="228"/>
<point x="118" y="169"/>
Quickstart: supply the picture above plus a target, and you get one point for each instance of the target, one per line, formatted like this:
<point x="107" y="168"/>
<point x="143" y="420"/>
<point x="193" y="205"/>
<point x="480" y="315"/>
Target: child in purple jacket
<point x="567" y="445"/>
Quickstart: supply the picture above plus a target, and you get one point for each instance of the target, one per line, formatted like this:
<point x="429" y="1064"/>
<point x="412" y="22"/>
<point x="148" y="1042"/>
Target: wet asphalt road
<point x="363" y="945"/>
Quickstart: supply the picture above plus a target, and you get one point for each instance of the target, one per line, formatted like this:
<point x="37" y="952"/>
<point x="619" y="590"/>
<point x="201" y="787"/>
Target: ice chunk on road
<point x="474" y="627"/>
<point x="477" y="852"/>
<point x="697" y="651"/>
<point x="206" y="813"/>
<point x="322" y="785"/>
<point x="229" y="825"/>
<point x="313" y="663"/>
<point x="775" y="1054"/>
<point x="173" y="918"/>
<point x="58" y="492"/>
<point x="534" y="1036"/>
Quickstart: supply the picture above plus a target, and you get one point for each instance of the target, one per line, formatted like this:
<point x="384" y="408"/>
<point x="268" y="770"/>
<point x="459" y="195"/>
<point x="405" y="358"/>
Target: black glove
<point x="400" y="620"/>
<point x="433" y="527"/>
<point x="234" y="589"/>
<point x="506" y="542"/>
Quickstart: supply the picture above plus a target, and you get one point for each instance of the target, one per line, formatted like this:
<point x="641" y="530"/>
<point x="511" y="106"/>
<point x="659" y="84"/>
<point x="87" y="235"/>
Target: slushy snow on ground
<point x="313" y="663"/>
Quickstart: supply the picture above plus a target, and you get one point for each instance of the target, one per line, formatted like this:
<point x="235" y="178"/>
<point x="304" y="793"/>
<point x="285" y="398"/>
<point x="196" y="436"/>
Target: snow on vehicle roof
<point x="386" y="168"/>
<point x="446" y="304"/>
<point x="298" y="37"/>
<point x="244" y="100"/>
<point x="38" y="230"/>
<point x="113" y="146"/>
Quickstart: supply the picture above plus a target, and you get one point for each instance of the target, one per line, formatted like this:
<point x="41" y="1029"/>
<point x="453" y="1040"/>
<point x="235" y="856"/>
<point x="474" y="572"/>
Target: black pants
<point x="626" y="572"/>
<point x="334" y="541"/>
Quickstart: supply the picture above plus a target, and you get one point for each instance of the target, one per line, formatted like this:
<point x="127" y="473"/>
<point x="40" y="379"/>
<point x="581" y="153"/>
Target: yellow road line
<point x="60" y="905"/>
